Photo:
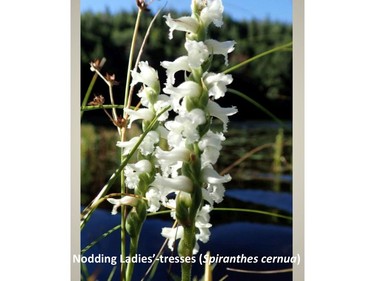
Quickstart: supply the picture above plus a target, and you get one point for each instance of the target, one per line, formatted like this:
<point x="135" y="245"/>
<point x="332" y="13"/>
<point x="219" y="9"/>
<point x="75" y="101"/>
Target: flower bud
<point x="133" y="223"/>
<point x="183" y="203"/>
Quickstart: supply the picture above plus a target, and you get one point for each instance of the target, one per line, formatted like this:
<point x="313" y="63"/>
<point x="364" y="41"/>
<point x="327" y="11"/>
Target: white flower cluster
<point x="188" y="134"/>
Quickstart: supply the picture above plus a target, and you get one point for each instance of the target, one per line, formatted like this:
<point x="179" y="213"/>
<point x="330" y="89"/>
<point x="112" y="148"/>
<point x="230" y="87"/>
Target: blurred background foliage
<point x="267" y="80"/>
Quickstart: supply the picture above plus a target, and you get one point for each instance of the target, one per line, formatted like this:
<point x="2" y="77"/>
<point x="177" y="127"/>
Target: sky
<point x="276" y="10"/>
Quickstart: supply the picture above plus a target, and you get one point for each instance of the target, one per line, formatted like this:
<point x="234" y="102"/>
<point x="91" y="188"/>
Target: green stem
<point x="95" y="107"/>
<point x="127" y="105"/>
<point x="230" y="210"/>
<point x="131" y="55"/>
<point x="132" y="252"/>
<point x="123" y="268"/>
<point x="187" y="243"/>
<point x="252" y="211"/>
<point x="110" y="277"/>
<point x="185" y="249"/>
<point x="257" y="57"/>
<point x="88" y="92"/>
<point x="97" y="240"/>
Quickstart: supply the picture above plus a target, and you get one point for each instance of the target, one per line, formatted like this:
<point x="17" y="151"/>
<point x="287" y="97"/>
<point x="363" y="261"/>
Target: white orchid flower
<point x="216" y="84"/>
<point x="146" y="147"/>
<point x="198" y="53"/>
<point x="142" y="113"/>
<point x="126" y="200"/>
<point x="184" y="127"/>
<point x="185" y="89"/>
<point x="168" y="185"/>
<point x="212" y="13"/>
<point x="220" y="48"/>
<point x="147" y="76"/>
<point x="210" y="144"/>
<point x="153" y="199"/>
<point x="202" y="222"/>
<point x="132" y="172"/>
<point x="221" y="113"/>
<point x="179" y="64"/>
<point x="187" y="24"/>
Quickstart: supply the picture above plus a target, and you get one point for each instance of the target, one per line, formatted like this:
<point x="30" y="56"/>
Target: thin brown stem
<point x="247" y="155"/>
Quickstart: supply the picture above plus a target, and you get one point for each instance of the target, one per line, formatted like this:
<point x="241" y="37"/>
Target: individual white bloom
<point x="216" y="84"/>
<point x="168" y="185"/>
<point x="221" y="113"/>
<point x="171" y="161"/>
<point x="185" y="126"/>
<point x="148" y="144"/>
<point x="172" y="234"/>
<point x="202" y="222"/>
<point x="210" y="144"/>
<point x="146" y="94"/>
<point x="172" y="156"/>
<point x="126" y="200"/>
<point x="203" y="225"/>
<point x="213" y="12"/>
<point x="132" y="179"/>
<point x="175" y="137"/>
<point x="142" y="113"/>
<point x="197" y="53"/>
<point x="162" y="103"/>
<point x="187" y="88"/>
<point x="213" y="193"/>
<point x="142" y="166"/>
<point x="187" y="24"/>
<point x="128" y="145"/>
<point x="194" y="117"/>
<point x="147" y="75"/>
<point x="164" y="186"/>
<point x="132" y="172"/>
<point x="206" y="196"/>
<point x="146" y="147"/>
<point x="171" y="170"/>
<point x="211" y="139"/>
<point x="210" y="155"/>
<point x="171" y="204"/>
<point x="203" y="215"/>
<point x="153" y="199"/>
<point x="212" y="177"/>
<point x="215" y="188"/>
<point x="220" y="48"/>
<point x="216" y="192"/>
<point x="179" y="64"/>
